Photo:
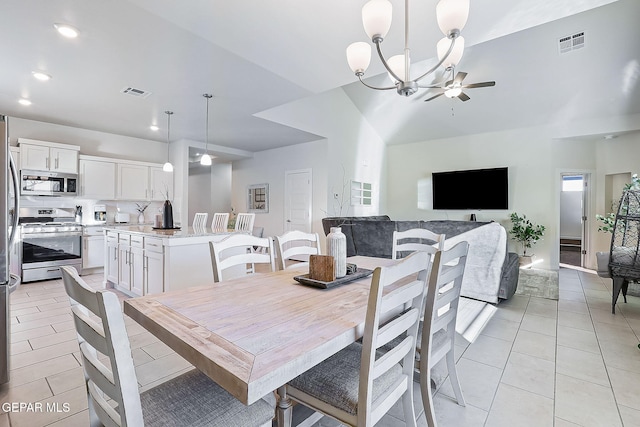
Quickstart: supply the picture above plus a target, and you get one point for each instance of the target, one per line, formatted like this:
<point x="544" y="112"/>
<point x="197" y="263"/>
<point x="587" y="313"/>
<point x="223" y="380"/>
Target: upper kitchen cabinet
<point x="48" y="156"/>
<point x="97" y="178"/>
<point x="133" y="182"/>
<point x="161" y="184"/>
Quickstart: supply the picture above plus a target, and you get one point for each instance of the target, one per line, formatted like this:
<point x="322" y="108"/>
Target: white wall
<point x="354" y="150"/>
<point x="92" y="143"/>
<point x="269" y="167"/>
<point x="209" y="190"/>
<point x="535" y="163"/>
<point x="614" y="156"/>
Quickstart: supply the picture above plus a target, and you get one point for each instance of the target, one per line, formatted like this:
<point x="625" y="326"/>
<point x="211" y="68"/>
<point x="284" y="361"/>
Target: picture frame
<point x="258" y="198"/>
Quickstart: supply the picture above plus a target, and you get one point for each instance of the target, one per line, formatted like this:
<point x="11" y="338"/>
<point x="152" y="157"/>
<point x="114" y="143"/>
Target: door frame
<point x="286" y="197"/>
<point x="588" y="197"/>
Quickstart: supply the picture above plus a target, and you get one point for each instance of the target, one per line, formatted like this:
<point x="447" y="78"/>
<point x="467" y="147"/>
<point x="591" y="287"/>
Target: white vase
<point x="141" y="218"/>
<point x="337" y="248"/>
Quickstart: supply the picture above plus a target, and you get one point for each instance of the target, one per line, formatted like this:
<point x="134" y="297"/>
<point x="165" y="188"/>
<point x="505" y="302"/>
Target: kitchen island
<point x="141" y="260"/>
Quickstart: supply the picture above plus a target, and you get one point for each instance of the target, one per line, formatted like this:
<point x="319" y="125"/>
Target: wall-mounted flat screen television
<point x="471" y="189"/>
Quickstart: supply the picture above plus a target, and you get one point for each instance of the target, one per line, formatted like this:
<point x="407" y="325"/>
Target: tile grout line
<point x="613" y="393"/>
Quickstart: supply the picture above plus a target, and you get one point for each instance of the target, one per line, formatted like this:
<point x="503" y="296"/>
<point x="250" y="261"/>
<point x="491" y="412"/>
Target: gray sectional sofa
<point x="491" y="273"/>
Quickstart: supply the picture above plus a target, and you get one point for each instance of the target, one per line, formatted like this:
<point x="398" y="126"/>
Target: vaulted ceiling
<point x="255" y="56"/>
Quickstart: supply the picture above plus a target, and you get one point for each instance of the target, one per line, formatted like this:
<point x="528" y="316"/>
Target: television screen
<point x="471" y="189"/>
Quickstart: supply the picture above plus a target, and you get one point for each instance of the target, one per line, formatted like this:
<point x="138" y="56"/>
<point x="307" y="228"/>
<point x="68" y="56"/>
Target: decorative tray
<point x="162" y="228"/>
<point x="359" y="274"/>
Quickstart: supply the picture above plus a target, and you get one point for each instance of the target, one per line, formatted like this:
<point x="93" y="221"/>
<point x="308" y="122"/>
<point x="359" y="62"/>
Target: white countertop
<point x="149" y="231"/>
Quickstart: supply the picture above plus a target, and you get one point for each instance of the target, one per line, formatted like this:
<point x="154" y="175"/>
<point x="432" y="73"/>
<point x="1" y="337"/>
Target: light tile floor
<point x="538" y="363"/>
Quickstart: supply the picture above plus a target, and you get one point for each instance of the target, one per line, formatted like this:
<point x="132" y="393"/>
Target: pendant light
<point x="168" y="167"/>
<point x="205" y="160"/>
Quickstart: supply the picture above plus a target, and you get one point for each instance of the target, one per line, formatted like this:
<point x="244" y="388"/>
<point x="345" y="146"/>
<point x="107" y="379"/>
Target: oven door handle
<point x="30" y="236"/>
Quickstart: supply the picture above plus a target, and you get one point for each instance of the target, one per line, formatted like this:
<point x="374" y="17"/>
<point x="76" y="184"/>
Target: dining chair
<point x="355" y="386"/>
<point x="220" y="221"/>
<point x="415" y="239"/>
<point x="200" y="220"/>
<point x="439" y="324"/>
<point x="295" y="243"/>
<point x="237" y="249"/>
<point x="187" y="400"/>
<point x="244" y="222"/>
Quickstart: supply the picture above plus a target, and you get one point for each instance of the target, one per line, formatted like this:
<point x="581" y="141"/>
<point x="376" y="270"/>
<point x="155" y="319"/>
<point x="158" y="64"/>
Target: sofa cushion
<point x="451" y="228"/>
<point x="346" y="223"/>
<point x="374" y="238"/>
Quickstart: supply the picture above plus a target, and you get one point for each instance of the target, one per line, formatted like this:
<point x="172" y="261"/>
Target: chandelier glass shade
<point x="168" y="167"/>
<point x="205" y="160"/>
<point x="376" y="18"/>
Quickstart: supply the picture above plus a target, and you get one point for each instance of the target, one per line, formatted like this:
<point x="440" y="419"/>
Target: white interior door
<point x="297" y="200"/>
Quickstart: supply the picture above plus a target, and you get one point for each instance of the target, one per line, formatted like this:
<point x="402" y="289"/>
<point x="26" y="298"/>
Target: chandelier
<point x="376" y="16"/>
<point x="168" y="167"/>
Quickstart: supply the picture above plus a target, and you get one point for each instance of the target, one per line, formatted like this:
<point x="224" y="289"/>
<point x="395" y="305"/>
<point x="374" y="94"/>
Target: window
<point x="361" y="193"/>
<point x="572" y="183"/>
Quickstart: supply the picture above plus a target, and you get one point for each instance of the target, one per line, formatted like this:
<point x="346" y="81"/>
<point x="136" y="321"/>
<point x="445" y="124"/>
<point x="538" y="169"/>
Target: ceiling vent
<point x="572" y="42"/>
<point x="138" y="93"/>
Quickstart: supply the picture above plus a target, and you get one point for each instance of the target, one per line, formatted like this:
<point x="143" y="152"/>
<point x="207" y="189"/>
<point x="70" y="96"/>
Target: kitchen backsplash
<point x="88" y="205"/>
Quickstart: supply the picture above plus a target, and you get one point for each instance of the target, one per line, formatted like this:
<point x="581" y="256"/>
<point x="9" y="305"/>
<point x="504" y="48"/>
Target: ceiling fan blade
<point x="434" y="97"/>
<point x="483" y="84"/>
<point x="460" y="77"/>
<point x="463" y="96"/>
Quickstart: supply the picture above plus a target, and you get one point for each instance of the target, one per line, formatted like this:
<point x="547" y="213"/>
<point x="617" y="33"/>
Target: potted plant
<point x="526" y="233"/>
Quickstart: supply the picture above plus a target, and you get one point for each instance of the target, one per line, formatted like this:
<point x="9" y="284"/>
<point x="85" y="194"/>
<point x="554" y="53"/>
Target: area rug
<point x="538" y="283"/>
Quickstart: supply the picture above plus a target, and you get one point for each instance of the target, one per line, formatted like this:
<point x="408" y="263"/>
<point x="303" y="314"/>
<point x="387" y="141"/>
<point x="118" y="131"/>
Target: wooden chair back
<point x="441" y="310"/>
<point x="407" y="281"/>
<point x="240" y="251"/>
<point x="200" y="220"/>
<point x="296" y="243"/>
<point x="115" y="379"/>
<point x="416" y="239"/>
<point x="220" y="221"/>
<point x="244" y="222"/>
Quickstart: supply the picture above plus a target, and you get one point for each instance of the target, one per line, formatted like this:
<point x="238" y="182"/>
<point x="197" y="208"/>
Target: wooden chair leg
<point x="453" y="377"/>
<point x="425" y="391"/>
<point x="407" y="406"/>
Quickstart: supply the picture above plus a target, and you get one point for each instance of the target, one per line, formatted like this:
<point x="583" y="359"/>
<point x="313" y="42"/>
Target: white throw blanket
<point x="487" y="251"/>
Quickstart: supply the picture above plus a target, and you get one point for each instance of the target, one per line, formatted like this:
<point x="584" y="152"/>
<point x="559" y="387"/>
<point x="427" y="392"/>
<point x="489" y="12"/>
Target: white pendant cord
<point x="205" y="160"/>
<point x="168" y="167"/>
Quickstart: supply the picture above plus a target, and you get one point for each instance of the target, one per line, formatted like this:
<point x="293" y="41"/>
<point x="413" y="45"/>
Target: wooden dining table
<point x="253" y="334"/>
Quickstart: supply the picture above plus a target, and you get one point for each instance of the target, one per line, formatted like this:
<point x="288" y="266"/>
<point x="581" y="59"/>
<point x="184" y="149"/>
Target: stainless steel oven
<point x="47" y="245"/>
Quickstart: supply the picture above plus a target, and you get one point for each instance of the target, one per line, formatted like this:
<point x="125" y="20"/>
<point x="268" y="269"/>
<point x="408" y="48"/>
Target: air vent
<point x="138" y="93"/>
<point x="572" y="42"/>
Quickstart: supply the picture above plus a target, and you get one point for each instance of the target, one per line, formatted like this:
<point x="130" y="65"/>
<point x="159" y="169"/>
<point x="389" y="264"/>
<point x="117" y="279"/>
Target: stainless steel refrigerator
<point x="9" y="198"/>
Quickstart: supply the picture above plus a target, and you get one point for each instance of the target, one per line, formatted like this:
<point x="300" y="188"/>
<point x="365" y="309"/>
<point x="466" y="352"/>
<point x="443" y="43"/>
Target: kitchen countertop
<point x="149" y="231"/>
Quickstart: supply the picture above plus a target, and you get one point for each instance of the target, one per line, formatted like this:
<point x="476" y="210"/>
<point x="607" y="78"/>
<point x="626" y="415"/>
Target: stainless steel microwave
<point x="42" y="183"/>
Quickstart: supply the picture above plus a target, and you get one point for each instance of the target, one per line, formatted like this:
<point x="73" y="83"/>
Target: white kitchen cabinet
<point x="93" y="247"/>
<point x="161" y="184"/>
<point x="136" y="265"/>
<point x="97" y="179"/>
<point x="153" y="266"/>
<point x="48" y="156"/>
<point x="111" y="260"/>
<point x="124" y="260"/>
<point x="132" y="182"/>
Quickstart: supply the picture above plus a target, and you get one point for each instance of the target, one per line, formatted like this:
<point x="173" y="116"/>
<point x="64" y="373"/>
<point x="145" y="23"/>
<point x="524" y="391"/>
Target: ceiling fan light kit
<point x="376" y="18"/>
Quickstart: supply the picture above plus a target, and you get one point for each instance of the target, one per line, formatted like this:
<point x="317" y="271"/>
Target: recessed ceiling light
<point x="154" y="128"/>
<point x="67" y="30"/>
<point x="610" y="136"/>
<point x="24" y="101"/>
<point x="41" y="76"/>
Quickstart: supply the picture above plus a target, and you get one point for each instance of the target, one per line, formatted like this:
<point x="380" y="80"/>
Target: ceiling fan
<point x="453" y="88"/>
